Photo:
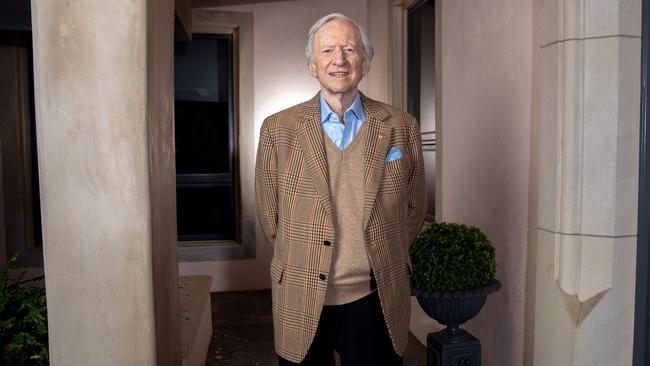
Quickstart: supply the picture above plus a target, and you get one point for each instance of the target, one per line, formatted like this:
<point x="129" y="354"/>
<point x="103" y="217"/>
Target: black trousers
<point x="356" y="331"/>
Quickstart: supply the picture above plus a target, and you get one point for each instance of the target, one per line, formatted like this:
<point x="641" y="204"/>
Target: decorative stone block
<point x="589" y="149"/>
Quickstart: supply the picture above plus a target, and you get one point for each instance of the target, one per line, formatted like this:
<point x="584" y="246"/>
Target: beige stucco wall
<point x="486" y="53"/>
<point x="281" y="80"/>
<point x="92" y="149"/>
<point x="103" y="90"/>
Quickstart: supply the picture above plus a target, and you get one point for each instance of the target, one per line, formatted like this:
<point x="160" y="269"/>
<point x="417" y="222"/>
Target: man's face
<point x="338" y="61"/>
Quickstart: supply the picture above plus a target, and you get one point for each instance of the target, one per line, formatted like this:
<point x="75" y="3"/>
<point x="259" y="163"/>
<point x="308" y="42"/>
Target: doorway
<point x="421" y="86"/>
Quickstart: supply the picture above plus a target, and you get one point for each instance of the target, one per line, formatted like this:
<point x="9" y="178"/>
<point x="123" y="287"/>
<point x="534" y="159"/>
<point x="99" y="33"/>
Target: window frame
<point x="231" y="177"/>
<point x="240" y="25"/>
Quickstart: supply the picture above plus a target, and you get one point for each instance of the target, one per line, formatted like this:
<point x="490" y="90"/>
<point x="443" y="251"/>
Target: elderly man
<point x="340" y="195"/>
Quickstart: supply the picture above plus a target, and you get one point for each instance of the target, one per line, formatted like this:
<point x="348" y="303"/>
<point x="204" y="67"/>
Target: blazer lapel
<point x="377" y="140"/>
<point x="310" y="136"/>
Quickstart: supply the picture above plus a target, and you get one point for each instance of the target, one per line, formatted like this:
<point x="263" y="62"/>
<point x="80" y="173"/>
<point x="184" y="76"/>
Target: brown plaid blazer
<point x="294" y="207"/>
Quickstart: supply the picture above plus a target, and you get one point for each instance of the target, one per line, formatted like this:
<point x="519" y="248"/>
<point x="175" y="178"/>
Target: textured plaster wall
<point x="105" y="145"/>
<point x="485" y="131"/>
<point x="282" y="79"/>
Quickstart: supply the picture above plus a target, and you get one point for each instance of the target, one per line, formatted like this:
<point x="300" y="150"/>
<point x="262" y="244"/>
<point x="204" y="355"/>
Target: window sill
<point x="214" y="251"/>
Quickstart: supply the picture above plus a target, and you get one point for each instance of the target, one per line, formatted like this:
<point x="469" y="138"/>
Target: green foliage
<point x="23" y="320"/>
<point x="452" y="257"/>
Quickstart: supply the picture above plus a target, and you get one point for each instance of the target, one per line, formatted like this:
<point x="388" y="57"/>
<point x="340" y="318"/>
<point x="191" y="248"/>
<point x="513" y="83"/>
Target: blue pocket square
<point x="394" y="154"/>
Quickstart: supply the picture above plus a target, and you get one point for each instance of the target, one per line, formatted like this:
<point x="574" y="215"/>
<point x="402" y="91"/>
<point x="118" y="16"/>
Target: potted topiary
<point x="453" y="269"/>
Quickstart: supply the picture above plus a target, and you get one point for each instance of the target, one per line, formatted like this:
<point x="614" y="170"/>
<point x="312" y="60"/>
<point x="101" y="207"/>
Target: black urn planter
<point x="452" y="255"/>
<point x="454" y="308"/>
<point x="453" y="345"/>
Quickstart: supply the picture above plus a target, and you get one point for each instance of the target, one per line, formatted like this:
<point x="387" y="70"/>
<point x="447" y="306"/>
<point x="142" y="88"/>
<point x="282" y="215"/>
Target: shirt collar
<point x="326" y="113"/>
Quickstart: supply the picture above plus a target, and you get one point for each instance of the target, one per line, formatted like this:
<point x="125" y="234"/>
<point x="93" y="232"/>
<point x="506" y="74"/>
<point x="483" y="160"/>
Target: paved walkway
<point x="243" y="332"/>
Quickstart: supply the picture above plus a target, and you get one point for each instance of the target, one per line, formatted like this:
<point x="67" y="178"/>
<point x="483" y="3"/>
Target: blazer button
<point x="327" y="243"/>
<point x="322" y="277"/>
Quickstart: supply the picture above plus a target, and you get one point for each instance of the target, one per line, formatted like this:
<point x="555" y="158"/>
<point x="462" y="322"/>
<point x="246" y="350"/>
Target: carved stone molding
<point x="589" y="72"/>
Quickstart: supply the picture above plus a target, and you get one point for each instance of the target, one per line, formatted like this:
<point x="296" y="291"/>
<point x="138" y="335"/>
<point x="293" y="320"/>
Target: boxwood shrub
<point x="23" y="320"/>
<point x="451" y="257"/>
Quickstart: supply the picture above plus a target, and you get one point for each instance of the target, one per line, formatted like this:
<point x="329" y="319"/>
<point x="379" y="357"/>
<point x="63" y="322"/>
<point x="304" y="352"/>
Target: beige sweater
<point x="349" y="278"/>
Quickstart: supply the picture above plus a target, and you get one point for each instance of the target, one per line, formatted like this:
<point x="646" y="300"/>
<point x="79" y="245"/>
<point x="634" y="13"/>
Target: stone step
<point x="196" y="318"/>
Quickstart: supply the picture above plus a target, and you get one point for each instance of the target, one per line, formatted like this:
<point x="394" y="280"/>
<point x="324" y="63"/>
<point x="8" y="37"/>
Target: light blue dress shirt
<point x="341" y="133"/>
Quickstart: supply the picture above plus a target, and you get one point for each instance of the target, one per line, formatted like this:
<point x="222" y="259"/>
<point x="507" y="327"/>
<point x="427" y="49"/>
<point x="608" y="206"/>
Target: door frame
<point x="641" y="355"/>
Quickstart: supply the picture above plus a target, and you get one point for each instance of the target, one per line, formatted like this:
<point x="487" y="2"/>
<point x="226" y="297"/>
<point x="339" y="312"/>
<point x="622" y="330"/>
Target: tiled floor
<point x="243" y="332"/>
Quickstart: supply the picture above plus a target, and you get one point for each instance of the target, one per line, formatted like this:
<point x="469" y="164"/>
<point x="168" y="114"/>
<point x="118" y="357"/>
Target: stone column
<point x="588" y="176"/>
<point x="104" y="115"/>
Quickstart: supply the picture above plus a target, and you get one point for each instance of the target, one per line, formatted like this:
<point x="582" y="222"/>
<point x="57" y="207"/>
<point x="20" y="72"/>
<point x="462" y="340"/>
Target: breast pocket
<point x="393" y="167"/>
<point x="395" y="176"/>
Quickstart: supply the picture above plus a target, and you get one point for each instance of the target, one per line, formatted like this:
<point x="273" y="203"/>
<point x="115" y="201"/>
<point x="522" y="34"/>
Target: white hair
<point x="368" y="50"/>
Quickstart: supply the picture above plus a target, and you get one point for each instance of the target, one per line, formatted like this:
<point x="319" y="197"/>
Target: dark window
<point x="20" y="185"/>
<point x="206" y="188"/>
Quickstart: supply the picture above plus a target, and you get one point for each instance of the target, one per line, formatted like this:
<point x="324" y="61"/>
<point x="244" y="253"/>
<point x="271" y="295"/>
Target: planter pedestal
<point x="453" y="348"/>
